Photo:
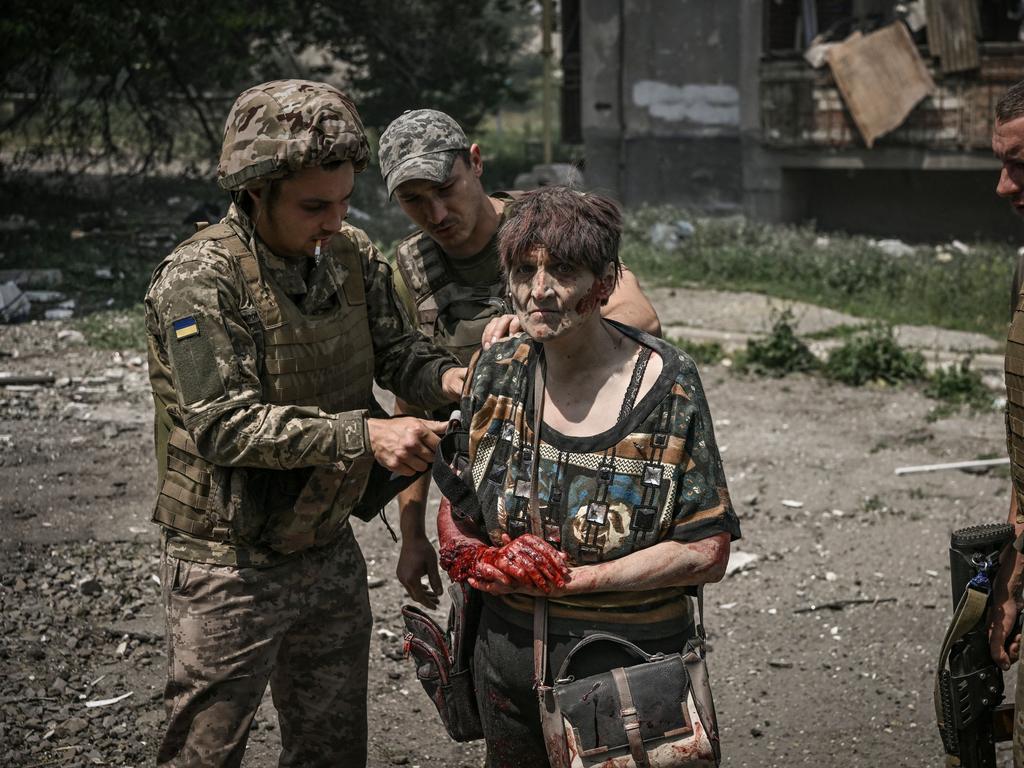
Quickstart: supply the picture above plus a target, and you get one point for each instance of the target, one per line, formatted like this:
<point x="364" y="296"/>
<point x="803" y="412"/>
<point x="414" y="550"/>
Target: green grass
<point x="968" y="293"/>
<point x="119" y="329"/>
<point x="702" y="352"/>
<point x="960" y="385"/>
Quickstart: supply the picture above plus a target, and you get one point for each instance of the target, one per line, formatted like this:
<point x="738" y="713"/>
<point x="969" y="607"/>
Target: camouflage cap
<point x="420" y="144"/>
<point x="279" y="127"/>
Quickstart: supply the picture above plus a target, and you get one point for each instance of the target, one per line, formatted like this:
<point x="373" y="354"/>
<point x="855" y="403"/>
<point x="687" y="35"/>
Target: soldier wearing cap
<point x="450" y="279"/>
<point x="265" y="333"/>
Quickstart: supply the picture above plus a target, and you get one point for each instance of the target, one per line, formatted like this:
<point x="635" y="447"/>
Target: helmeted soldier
<point x="265" y="333"/>
<point x="449" y="277"/>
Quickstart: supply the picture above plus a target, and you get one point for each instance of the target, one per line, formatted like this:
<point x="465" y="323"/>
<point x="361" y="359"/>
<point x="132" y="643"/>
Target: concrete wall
<point x="661" y="100"/>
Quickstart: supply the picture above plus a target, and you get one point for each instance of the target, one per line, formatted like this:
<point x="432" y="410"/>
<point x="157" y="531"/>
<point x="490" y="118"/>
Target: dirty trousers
<point x="303" y="626"/>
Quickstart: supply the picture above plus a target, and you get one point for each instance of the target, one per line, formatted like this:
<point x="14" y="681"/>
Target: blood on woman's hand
<point x="527" y="563"/>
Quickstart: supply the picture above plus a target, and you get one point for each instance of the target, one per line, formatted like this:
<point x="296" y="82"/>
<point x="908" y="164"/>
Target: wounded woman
<point x="631" y="500"/>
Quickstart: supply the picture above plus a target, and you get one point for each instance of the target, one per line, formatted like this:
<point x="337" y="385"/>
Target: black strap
<point x="629" y="399"/>
<point x="459" y="492"/>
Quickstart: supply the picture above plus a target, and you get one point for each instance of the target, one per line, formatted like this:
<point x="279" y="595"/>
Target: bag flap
<point x="593" y="708"/>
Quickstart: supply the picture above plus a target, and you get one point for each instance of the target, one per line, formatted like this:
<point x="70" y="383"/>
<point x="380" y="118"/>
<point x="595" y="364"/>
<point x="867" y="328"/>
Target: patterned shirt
<point x="654" y="476"/>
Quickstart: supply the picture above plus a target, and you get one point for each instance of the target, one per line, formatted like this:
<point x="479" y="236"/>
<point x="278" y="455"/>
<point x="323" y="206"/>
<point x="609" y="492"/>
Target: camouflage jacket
<point x="218" y="397"/>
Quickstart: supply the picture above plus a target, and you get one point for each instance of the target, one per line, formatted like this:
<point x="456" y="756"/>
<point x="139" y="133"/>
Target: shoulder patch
<point x="185" y="327"/>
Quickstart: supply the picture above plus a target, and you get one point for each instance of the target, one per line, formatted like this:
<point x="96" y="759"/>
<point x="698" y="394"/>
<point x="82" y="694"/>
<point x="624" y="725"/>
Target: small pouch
<point x="442" y="661"/>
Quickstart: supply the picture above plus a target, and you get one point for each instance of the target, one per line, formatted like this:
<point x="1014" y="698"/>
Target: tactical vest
<point x="324" y="361"/>
<point x="1014" y="368"/>
<point x="450" y="313"/>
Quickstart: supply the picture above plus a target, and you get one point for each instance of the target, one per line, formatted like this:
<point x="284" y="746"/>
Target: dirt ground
<point x="81" y="622"/>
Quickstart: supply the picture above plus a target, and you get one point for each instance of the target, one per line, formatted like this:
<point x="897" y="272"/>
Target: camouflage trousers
<point x="303" y="626"/>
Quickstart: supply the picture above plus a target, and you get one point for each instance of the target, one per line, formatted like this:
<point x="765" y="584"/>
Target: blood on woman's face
<point x="552" y="297"/>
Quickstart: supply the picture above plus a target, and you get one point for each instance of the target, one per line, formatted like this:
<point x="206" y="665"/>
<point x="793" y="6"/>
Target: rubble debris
<point x="45" y="297"/>
<point x="90" y="586"/>
<point x="740" y="561"/>
<point x="70" y="336"/>
<point x="63" y="311"/>
<point x="14" y="305"/>
<point x="32" y="278"/>
<point x="15" y="379"/>
<point x="838" y="605"/>
<point x="967" y="465"/>
<point x="668" y="237"/>
<point x="892" y="247"/>
<point x="792" y="503"/>
<point x="107" y="702"/>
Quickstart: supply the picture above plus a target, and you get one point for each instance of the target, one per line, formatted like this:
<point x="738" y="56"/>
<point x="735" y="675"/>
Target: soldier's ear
<point x="476" y="161"/>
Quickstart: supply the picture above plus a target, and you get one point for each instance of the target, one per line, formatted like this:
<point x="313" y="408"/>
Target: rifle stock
<point x="969" y="686"/>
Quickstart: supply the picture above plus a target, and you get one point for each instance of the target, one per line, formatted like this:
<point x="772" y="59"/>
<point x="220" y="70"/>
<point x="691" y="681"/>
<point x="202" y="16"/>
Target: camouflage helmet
<point x="279" y="127"/>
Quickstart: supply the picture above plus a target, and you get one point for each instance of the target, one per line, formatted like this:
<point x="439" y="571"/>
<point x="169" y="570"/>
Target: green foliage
<point x="874" y="356"/>
<point x="116" y="329"/>
<point x="781" y="352"/>
<point x="132" y="84"/>
<point x="967" y="293"/>
<point x="960" y="385"/>
<point x="701" y="352"/>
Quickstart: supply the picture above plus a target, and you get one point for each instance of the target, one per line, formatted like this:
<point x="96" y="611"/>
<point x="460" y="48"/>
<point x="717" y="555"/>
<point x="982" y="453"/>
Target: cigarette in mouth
<point x="316" y="252"/>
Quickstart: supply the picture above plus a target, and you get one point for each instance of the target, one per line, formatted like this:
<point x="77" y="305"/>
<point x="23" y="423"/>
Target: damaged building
<point x="863" y="115"/>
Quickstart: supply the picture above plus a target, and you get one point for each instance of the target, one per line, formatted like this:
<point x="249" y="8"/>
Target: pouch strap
<point x="630" y="719"/>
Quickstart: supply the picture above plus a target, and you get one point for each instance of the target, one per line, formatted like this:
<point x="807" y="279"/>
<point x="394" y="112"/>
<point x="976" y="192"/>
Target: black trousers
<point x="503" y="673"/>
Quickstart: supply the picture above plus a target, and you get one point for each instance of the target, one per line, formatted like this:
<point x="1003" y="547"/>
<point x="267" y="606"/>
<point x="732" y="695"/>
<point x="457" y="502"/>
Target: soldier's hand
<point x="452" y="382"/>
<point x="405" y="445"/>
<point x="416" y="560"/>
<point x="1002" y="621"/>
<point x="500" y="328"/>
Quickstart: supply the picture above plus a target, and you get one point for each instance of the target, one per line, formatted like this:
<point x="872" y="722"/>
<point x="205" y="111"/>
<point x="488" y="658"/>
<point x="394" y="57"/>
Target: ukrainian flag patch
<point x="185" y="327"/>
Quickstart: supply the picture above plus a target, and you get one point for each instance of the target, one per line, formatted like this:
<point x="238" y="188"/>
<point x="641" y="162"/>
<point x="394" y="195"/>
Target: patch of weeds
<point x="874" y="356"/>
<point x="702" y="352"/>
<point x="916" y="493"/>
<point x="843" y="331"/>
<point x="115" y="329"/>
<point x="959" y="385"/>
<point x="874" y="504"/>
<point x="781" y="352"/>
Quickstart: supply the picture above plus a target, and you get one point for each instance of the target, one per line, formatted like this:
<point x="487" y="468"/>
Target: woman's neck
<point x="589" y="348"/>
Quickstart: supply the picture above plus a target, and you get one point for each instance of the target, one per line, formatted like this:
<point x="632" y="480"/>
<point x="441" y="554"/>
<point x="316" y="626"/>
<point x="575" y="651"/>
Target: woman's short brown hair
<point x="574" y="227"/>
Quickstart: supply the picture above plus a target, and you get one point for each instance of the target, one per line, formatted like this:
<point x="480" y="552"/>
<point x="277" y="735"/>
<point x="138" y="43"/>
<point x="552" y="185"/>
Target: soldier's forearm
<point x="279" y="437"/>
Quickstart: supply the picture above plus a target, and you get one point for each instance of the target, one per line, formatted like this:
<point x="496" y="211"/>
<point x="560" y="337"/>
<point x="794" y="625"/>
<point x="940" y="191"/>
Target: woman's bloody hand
<point x="526" y="561"/>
